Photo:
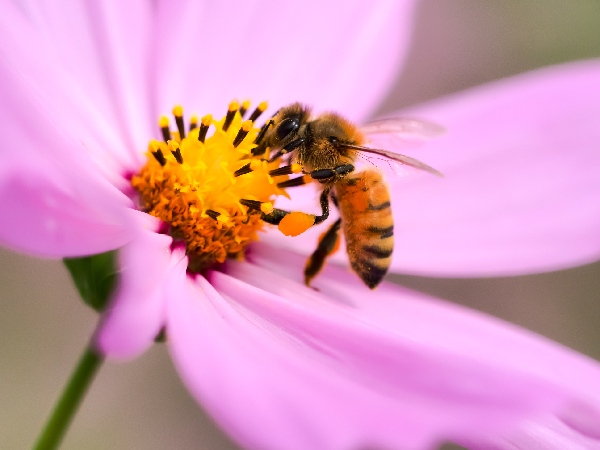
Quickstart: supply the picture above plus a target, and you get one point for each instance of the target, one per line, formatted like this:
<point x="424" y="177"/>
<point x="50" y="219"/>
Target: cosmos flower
<point x="277" y="364"/>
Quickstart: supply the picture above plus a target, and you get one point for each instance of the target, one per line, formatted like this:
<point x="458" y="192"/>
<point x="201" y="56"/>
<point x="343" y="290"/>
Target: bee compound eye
<point x="287" y="126"/>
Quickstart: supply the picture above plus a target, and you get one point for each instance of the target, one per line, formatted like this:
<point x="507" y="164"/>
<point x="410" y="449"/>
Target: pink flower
<point x="279" y="365"/>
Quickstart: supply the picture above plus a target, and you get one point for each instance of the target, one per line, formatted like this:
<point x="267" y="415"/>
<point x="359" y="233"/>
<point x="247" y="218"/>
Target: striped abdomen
<point x="367" y="223"/>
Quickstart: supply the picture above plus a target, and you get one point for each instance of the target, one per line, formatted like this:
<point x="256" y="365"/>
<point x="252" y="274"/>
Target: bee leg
<point x="290" y="147"/>
<point x="324" y="175"/>
<point x="276" y="216"/>
<point x="324" y="200"/>
<point x="321" y="175"/>
<point x="328" y="244"/>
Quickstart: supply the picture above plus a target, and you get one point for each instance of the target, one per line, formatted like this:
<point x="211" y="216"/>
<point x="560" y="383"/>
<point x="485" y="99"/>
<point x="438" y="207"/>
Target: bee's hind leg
<point x="328" y="244"/>
<point x="329" y="241"/>
<point x="276" y="216"/>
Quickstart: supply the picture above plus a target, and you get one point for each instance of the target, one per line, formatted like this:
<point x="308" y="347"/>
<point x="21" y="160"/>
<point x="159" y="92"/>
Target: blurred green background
<point x="143" y="405"/>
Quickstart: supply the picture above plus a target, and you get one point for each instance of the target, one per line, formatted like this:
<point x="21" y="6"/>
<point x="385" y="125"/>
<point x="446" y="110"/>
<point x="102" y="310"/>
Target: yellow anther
<point x="163" y="122"/>
<point x="194" y="119"/>
<point x="207" y="120"/>
<point x="263" y="106"/>
<point x="234" y="105"/>
<point x="296" y="223"/>
<point x="153" y="145"/>
<point x="178" y="111"/>
<point x="174" y="148"/>
<point x="245" y="105"/>
<point x="296" y="168"/>
<point x="266" y="207"/>
<point x="181" y="193"/>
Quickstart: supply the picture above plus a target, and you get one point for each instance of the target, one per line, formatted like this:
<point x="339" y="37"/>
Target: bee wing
<point x="401" y="130"/>
<point x="385" y="159"/>
<point x="395" y="134"/>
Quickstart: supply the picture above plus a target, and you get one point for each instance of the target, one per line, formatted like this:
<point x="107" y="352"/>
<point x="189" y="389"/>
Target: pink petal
<point x="60" y="204"/>
<point x="333" y="57"/>
<point x="104" y="49"/>
<point x="453" y="329"/>
<point x="521" y="191"/>
<point x="438" y="323"/>
<point x="55" y="201"/>
<point x="27" y="59"/>
<point x="58" y="218"/>
<point x="545" y="433"/>
<point x="136" y="314"/>
<point x="353" y="369"/>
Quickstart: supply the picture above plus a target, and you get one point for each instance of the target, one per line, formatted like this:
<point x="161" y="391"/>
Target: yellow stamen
<point x="193" y="122"/>
<point x="246" y="127"/>
<point x="244" y="107"/>
<point x="163" y="123"/>
<point x="233" y="108"/>
<point x="261" y="108"/>
<point x="192" y="188"/>
<point x="155" y="151"/>
<point x="206" y="121"/>
<point x="178" y="111"/>
<point x="175" y="151"/>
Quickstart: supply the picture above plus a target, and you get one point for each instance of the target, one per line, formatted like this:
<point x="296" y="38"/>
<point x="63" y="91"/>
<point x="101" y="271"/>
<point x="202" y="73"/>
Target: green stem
<point x="68" y="403"/>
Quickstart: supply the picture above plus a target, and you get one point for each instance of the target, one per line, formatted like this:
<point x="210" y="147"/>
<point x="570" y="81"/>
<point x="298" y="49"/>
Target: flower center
<point x="211" y="191"/>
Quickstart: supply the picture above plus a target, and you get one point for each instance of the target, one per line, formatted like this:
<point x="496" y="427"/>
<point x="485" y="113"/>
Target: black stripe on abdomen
<point x="379" y="207"/>
<point x="377" y="251"/>
<point x="384" y="233"/>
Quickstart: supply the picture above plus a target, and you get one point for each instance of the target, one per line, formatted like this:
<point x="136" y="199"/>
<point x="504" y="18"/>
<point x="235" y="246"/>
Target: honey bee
<point x="327" y="148"/>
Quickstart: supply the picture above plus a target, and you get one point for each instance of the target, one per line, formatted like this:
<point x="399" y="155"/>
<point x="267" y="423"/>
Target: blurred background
<point x="143" y="405"/>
